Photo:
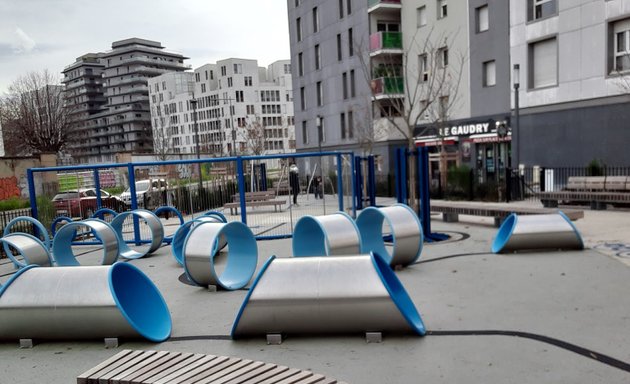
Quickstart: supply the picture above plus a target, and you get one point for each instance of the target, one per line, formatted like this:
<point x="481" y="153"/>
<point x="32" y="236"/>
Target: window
<point x="248" y="81"/>
<point x="203" y="88"/>
<point x="302" y="99"/>
<point x="238" y="68"/>
<point x="239" y="97"/>
<point x="350" y="43"/>
<point x="342" y="125"/>
<point x="540" y="9"/>
<point x="543" y="63"/>
<point x="341" y="9"/>
<point x="250" y="110"/>
<point x="481" y="16"/>
<point x="344" y="81"/>
<point x="300" y="64"/>
<point x="352" y="84"/>
<point x="298" y="28"/>
<point x="321" y="132"/>
<point x="304" y="133"/>
<point x="443" y="57"/>
<point x="315" y="20"/>
<point x="349" y="6"/>
<point x="318" y="59"/>
<point x="421" y="15"/>
<point x="423" y="67"/>
<point x="339" y="51"/>
<point x="350" y="125"/>
<point x="621" y="46"/>
<point x="320" y="94"/>
<point x="230" y="82"/>
<point x="489" y="73"/>
<point x="442" y="9"/>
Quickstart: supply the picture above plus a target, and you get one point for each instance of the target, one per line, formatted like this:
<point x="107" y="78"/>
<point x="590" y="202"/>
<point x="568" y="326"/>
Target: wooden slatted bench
<point x="255" y="199"/>
<point x="129" y="366"/>
<point x="452" y="210"/>
<point x="595" y="190"/>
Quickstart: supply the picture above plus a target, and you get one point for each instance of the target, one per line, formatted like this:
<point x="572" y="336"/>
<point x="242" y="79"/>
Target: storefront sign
<point x="465" y="129"/>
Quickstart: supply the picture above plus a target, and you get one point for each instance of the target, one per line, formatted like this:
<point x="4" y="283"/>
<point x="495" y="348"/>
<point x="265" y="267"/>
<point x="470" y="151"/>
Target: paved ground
<point x="579" y="298"/>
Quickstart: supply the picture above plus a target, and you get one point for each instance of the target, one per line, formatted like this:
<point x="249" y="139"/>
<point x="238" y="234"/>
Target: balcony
<point x="386" y="43"/>
<point x="388" y="87"/>
<point x="384" y="6"/>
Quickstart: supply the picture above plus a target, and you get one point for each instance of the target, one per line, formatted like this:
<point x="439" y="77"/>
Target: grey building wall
<point x="493" y="44"/>
<point x="330" y="74"/>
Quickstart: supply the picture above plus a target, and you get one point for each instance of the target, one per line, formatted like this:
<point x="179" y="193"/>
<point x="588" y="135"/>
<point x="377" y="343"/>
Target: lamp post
<point x="193" y="102"/>
<point x="516" y="134"/>
<point x="320" y="137"/>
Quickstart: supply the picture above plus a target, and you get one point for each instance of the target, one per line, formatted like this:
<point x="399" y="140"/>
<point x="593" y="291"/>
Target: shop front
<point x="481" y="144"/>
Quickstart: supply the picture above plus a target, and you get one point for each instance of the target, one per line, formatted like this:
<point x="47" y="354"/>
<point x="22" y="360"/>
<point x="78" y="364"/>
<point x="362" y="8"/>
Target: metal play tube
<point x="40" y="228"/>
<point x="82" y="303"/>
<point x="325" y="295"/>
<point x="166" y="209"/>
<point x="405" y="228"/>
<point x="62" y="243"/>
<point x="177" y="244"/>
<point x="330" y="235"/>
<point x="529" y="232"/>
<point x="32" y="250"/>
<point x="154" y="224"/>
<point x="201" y="245"/>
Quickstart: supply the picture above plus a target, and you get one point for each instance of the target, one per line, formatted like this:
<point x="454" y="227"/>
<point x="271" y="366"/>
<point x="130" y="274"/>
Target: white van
<point x="149" y="193"/>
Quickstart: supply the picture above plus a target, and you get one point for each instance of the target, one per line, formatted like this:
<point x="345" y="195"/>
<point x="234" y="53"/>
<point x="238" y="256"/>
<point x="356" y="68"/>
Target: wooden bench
<point x="452" y="210"/>
<point x="255" y="199"/>
<point x="598" y="191"/>
<point x="129" y="366"/>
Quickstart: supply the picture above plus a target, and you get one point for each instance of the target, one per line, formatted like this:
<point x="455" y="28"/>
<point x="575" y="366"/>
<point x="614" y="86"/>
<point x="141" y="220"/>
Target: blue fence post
<point x="134" y="202"/>
<point x="358" y="178"/>
<point x="340" y="182"/>
<point x="371" y="181"/>
<point x="352" y="187"/>
<point x="31" y="193"/>
<point x="97" y="187"/>
<point x="241" y="188"/>
<point x="424" y="191"/>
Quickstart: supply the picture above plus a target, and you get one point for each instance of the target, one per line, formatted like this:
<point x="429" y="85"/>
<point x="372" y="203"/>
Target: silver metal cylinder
<point x="32" y="250"/>
<point x="41" y="232"/>
<point x="406" y="232"/>
<point x="82" y="303"/>
<point x="201" y="245"/>
<point x="177" y="244"/>
<point x="154" y="224"/>
<point x="63" y="254"/>
<point x="323" y="295"/>
<point x="530" y="232"/>
<point x="330" y="235"/>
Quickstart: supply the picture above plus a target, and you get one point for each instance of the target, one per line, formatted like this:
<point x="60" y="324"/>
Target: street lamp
<point x="516" y="75"/>
<point x="320" y="137"/>
<point x="193" y="102"/>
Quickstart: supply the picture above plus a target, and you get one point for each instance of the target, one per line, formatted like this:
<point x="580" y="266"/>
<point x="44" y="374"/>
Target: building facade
<point x="241" y="109"/>
<point x="109" y="96"/>
<point x="574" y="59"/>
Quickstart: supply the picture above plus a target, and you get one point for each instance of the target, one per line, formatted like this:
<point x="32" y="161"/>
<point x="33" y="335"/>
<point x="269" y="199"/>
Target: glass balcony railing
<point x="387" y="86"/>
<point x="385" y="40"/>
<point x="372" y="3"/>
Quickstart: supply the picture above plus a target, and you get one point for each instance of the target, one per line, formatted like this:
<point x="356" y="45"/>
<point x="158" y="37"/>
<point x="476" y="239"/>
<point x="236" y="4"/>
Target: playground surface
<point x="561" y="317"/>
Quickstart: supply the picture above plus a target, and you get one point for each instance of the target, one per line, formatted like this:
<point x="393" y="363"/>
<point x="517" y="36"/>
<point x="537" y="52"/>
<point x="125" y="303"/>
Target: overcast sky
<point x="50" y="34"/>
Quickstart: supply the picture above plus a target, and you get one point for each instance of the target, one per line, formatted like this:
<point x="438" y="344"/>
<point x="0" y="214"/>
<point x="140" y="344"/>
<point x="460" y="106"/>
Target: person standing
<point x="317" y="187"/>
<point x="294" y="182"/>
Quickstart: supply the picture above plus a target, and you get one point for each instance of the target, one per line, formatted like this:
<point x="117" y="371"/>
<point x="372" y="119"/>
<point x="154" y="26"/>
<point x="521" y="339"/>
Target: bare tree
<point x="364" y="129"/>
<point x="162" y="131"/>
<point x="33" y="116"/>
<point x="254" y="136"/>
<point x="419" y="85"/>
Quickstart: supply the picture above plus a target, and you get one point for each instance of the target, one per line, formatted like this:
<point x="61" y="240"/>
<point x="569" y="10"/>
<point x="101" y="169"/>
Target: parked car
<point x="149" y="193"/>
<point x="82" y="203"/>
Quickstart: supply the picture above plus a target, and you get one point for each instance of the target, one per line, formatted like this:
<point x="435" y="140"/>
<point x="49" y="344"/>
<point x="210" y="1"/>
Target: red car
<point x="83" y="203"/>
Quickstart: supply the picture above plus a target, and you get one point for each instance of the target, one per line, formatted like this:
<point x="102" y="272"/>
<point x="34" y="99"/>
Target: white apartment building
<point x="242" y="109"/>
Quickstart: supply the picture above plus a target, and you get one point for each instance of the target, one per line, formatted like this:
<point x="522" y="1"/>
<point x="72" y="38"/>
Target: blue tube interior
<point x="370" y="223"/>
<point x="60" y="219"/>
<point x="398" y="294"/>
<point x="249" y="294"/>
<point x="242" y="257"/>
<point x="216" y="214"/>
<point x="125" y="251"/>
<point x="140" y="302"/>
<point x="179" y="238"/>
<point x="577" y="233"/>
<point x="62" y="245"/>
<point x="167" y="208"/>
<point x="504" y="233"/>
<point x="100" y="213"/>
<point x="309" y="238"/>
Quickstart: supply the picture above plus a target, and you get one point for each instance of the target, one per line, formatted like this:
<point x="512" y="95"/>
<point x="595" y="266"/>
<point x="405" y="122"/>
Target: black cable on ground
<point x="588" y="353"/>
<point x="452" y="256"/>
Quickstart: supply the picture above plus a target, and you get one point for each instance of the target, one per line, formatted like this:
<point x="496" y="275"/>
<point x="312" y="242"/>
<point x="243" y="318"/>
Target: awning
<point x="490" y="138"/>
<point x="433" y="141"/>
